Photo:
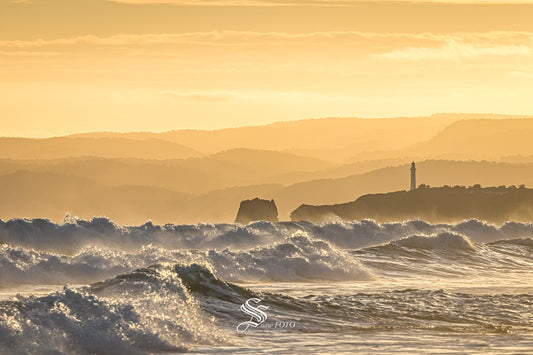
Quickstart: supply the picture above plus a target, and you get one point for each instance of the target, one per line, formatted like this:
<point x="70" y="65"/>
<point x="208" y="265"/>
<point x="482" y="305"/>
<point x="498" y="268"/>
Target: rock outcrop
<point x="435" y="205"/>
<point x="257" y="210"/>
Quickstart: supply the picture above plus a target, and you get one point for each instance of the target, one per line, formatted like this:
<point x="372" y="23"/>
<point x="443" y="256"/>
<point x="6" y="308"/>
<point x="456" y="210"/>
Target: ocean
<point x="95" y="287"/>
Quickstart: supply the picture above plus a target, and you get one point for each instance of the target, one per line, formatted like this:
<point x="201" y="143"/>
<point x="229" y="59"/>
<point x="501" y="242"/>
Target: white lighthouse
<point x="413" y="176"/>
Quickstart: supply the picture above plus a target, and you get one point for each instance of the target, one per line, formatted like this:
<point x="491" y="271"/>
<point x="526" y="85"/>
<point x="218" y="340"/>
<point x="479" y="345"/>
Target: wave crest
<point x="75" y="234"/>
<point x="297" y="258"/>
<point x="447" y="241"/>
<point x="147" y="310"/>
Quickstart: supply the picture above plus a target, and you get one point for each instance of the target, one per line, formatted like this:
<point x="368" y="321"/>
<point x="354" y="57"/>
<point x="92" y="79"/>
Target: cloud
<point x="456" y="51"/>
<point x="208" y="96"/>
<point x="211" y="37"/>
<point x="250" y="37"/>
<point x="28" y="53"/>
<point x="266" y="3"/>
<point x="520" y="75"/>
<point x="382" y="46"/>
<point x="259" y="96"/>
<point x="211" y="2"/>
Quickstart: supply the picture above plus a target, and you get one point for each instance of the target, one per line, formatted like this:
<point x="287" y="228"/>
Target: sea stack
<point x="257" y="210"/>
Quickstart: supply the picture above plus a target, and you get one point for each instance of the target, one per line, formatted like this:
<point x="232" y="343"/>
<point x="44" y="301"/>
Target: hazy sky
<point x="127" y="65"/>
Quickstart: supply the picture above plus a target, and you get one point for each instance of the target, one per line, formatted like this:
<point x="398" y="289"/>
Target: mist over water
<point x="92" y="286"/>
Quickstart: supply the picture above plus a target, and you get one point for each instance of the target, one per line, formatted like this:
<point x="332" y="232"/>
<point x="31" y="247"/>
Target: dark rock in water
<point x="257" y="210"/>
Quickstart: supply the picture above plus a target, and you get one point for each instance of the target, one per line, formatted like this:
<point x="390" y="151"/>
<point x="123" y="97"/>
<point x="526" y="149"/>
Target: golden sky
<point x="127" y="65"/>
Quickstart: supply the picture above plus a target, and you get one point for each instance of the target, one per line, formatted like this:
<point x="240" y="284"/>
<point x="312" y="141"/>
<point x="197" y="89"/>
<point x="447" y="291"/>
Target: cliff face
<point x="443" y="204"/>
<point x="257" y="210"/>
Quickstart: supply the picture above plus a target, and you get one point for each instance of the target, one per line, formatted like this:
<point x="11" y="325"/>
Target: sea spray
<point x="75" y="234"/>
<point x="296" y="258"/>
<point x="147" y="310"/>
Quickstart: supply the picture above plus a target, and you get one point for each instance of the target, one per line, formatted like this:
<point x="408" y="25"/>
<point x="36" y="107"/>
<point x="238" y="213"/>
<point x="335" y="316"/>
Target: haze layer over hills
<point x="192" y="176"/>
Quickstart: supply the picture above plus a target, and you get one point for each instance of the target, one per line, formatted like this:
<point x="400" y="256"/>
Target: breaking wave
<point x="80" y="252"/>
<point x="526" y="242"/>
<point x="171" y="288"/>
<point x="296" y="258"/>
<point x="147" y="310"/>
<point x="74" y="234"/>
<point x="447" y="241"/>
<point x="171" y="308"/>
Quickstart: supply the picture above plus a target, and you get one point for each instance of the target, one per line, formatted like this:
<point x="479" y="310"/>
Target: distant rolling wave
<point x="75" y="234"/>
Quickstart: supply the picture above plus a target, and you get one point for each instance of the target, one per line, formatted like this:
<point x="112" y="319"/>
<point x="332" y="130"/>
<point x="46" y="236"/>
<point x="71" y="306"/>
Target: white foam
<point x="75" y="234"/>
<point x="297" y="258"/>
<point x="143" y="312"/>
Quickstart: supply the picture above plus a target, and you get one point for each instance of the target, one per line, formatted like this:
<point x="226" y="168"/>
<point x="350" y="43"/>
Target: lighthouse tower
<point x="413" y="176"/>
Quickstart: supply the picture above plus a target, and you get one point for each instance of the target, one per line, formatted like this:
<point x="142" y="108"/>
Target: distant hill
<point x="482" y="139"/>
<point x="237" y="167"/>
<point x="271" y="163"/>
<point x="97" y="189"/>
<point x="443" y="204"/>
<point x="112" y="147"/>
<point x="32" y="194"/>
<point x="48" y="195"/>
<point x="333" y="139"/>
<point x="477" y="139"/>
<point x="339" y="171"/>
<point x="440" y="136"/>
<point x="339" y="140"/>
<point x="133" y="177"/>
